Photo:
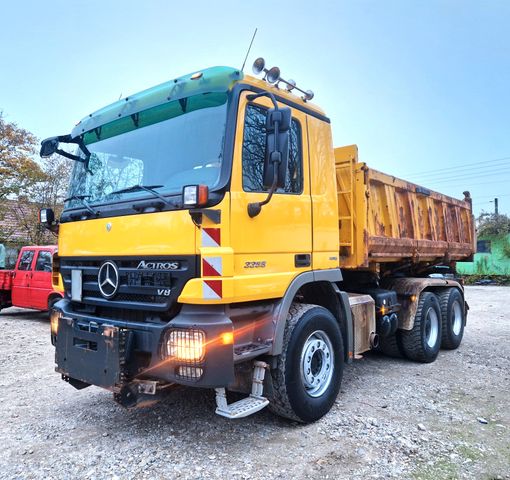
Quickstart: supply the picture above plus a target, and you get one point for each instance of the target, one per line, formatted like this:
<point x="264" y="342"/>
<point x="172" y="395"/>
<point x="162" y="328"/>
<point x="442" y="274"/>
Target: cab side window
<point x="43" y="263"/>
<point x="254" y="150"/>
<point x="26" y="260"/>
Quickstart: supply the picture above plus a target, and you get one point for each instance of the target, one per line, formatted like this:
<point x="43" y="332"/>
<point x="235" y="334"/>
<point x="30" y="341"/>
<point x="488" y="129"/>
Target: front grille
<point x="131" y="297"/>
<point x="144" y="289"/>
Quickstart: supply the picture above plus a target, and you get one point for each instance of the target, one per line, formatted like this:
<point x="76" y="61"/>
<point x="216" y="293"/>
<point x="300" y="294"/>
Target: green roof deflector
<point x="214" y="79"/>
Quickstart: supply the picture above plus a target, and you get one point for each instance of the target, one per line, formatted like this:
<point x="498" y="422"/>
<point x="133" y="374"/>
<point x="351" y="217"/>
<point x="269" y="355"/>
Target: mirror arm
<point x="76" y="158"/>
<point x="263" y="94"/>
<point x="255" y="208"/>
<point x="53" y="228"/>
<point x="79" y="141"/>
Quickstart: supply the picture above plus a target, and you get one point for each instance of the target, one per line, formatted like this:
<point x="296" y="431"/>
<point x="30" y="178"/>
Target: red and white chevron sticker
<point x="212" y="267"/>
<point x="212" y="289"/>
<point x="211" y="237"/>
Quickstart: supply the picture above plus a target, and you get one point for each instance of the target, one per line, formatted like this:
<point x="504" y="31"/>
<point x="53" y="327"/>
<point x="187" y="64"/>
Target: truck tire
<point x="422" y="343"/>
<point x="308" y="373"/>
<point x="452" y="318"/>
<point x="389" y="345"/>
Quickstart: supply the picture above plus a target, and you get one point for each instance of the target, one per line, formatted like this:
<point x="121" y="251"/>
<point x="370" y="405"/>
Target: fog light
<point x="186" y="345"/>
<point x="55" y="317"/>
<point x="192" y="373"/>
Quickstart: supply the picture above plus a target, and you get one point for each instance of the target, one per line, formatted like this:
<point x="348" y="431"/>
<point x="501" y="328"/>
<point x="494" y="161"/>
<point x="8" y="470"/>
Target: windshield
<point x="169" y="146"/>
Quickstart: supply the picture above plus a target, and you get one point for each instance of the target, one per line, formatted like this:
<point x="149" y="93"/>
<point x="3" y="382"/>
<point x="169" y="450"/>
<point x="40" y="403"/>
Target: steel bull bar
<point x="134" y="359"/>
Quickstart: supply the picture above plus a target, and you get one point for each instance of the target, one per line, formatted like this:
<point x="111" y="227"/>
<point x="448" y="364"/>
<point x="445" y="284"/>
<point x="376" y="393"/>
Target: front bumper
<point x="112" y="353"/>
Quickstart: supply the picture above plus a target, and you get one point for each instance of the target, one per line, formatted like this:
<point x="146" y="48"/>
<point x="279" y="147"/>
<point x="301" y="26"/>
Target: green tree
<point x="47" y="193"/>
<point x="27" y="185"/>
<point x="18" y="170"/>
<point x="490" y="224"/>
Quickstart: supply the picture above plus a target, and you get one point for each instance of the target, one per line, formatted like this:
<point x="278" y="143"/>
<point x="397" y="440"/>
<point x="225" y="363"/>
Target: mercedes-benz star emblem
<point x="108" y="279"/>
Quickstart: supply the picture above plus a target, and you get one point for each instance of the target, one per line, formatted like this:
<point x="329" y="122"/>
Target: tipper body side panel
<point x="385" y="219"/>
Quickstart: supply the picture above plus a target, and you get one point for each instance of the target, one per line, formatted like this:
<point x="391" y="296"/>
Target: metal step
<point x="241" y="408"/>
<point x="246" y="406"/>
<point x="251" y="350"/>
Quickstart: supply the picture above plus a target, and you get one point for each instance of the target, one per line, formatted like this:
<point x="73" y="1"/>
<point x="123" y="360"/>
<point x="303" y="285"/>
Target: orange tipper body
<point x="214" y="238"/>
<point x="384" y="219"/>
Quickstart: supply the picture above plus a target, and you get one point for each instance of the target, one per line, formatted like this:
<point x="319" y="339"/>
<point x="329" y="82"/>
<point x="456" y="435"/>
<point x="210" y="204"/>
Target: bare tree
<point x="50" y="192"/>
<point x="26" y="185"/>
<point x="18" y="170"/>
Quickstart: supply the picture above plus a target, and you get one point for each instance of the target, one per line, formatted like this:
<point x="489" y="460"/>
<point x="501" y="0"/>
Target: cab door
<point x="22" y="277"/>
<point x="40" y="284"/>
<point x="273" y="247"/>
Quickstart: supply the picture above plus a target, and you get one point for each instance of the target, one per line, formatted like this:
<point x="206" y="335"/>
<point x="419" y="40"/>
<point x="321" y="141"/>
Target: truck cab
<point x="199" y="245"/>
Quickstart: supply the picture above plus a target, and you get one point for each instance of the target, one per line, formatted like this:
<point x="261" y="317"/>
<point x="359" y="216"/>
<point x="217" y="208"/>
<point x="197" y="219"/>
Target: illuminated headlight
<point x="188" y="345"/>
<point x="55" y="317"/>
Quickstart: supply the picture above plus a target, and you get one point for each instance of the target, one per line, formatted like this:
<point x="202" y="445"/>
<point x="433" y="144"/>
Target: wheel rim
<point x="431" y="328"/>
<point x="457" y="318"/>
<point x="317" y="363"/>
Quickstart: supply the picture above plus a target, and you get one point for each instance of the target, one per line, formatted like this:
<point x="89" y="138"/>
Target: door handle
<point x="302" y="260"/>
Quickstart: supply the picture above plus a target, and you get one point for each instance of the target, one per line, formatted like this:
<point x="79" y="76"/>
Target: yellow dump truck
<point x="214" y="238"/>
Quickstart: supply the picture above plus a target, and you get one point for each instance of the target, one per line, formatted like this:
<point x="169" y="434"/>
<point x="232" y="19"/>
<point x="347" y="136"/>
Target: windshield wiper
<point x="144" y="188"/>
<point x="83" y="202"/>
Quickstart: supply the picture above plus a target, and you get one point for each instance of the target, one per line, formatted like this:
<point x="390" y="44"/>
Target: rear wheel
<point x="308" y="373"/>
<point x="422" y="343"/>
<point x="452" y="318"/>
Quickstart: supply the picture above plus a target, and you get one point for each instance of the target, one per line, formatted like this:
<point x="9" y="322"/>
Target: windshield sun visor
<point x="153" y="115"/>
<point x="215" y="79"/>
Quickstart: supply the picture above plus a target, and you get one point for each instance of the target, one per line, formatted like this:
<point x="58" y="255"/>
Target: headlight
<point x="55" y="317"/>
<point x="185" y="344"/>
<point x="195" y="195"/>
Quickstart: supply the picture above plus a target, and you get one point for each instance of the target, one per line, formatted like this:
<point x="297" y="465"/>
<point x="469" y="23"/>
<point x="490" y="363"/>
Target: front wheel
<point x="308" y="373"/>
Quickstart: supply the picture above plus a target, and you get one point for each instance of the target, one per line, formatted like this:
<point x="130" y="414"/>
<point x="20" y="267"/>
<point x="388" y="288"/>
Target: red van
<point x="29" y="285"/>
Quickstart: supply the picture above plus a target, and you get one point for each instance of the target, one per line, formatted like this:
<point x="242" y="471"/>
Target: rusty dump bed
<point x="385" y="219"/>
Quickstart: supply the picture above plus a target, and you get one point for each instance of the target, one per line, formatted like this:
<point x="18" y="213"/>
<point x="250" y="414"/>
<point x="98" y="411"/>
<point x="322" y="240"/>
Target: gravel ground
<point x="393" y="418"/>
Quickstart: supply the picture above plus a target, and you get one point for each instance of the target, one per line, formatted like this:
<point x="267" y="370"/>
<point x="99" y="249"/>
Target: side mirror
<point x="47" y="219"/>
<point x="49" y="147"/>
<point x="277" y="146"/>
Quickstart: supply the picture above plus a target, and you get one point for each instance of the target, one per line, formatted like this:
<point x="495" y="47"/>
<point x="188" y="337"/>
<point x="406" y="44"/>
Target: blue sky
<point x="423" y="87"/>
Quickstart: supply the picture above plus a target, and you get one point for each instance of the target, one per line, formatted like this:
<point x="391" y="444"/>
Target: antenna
<point x="249" y="48"/>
